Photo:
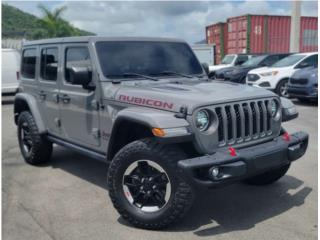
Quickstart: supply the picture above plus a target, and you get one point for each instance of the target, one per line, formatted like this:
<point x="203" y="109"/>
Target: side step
<point x="77" y="148"/>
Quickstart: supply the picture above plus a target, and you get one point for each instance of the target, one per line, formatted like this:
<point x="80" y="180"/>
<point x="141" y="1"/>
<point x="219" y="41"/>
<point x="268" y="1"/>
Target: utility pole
<point x="295" y="26"/>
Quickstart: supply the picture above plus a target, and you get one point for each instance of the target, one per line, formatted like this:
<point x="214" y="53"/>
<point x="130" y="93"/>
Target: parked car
<point x="229" y="60"/>
<point x="276" y="77"/>
<point x="146" y="107"/>
<point x="238" y="74"/>
<point x="10" y="71"/>
<point x="303" y="84"/>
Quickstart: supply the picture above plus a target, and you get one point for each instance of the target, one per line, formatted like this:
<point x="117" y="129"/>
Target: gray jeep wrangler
<point x="146" y="107"/>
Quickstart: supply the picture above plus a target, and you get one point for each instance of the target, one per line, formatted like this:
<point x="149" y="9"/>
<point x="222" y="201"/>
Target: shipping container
<point x="269" y="34"/>
<point x="217" y="34"/>
<point x="309" y="34"/>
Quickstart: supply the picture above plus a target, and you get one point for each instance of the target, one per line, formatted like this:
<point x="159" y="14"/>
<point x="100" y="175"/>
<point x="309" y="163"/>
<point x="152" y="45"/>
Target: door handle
<point x="56" y="97"/>
<point x="65" y="98"/>
<point x="42" y="95"/>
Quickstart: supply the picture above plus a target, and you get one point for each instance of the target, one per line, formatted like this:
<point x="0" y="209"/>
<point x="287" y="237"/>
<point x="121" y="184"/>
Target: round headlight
<point x="273" y="108"/>
<point x="202" y="120"/>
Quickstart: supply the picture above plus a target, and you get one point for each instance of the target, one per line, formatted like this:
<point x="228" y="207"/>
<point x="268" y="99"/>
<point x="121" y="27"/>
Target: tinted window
<point x="310" y="61"/>
<point x="28" y="67"/>
<point x="76" y="57"/>
<point x="49" y="64"/>
<point x="254" y="61"/>
<point x="148" y="58"/>
<point x="241" y="59"/>
<point x="227" y="59"/>
<point x="270" y="60"/>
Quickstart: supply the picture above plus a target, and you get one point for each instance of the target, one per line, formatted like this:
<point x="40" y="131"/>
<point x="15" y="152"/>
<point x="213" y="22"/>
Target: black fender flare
<point x="22" y="102"/>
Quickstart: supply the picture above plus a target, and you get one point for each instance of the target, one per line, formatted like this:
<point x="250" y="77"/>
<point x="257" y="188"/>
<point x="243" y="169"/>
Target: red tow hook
<point x="286" y="137"/>
<point x="232" y="151"/>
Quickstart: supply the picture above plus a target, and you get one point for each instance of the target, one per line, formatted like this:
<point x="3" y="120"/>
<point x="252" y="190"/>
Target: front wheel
<point x="282" y="88"/>
<point x="34" y="147"/>
<point x="144" y="185"/>
<point x="268" y="177"/>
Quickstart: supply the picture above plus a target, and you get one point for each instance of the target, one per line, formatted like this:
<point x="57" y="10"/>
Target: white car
<point x="230" y="60"/>
<point x="10" y="71"/>
<point x="276" y="77"/>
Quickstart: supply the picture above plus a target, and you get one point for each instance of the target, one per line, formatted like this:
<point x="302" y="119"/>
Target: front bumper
<point x="302" y="92"/>
<point x="248" y="161"/>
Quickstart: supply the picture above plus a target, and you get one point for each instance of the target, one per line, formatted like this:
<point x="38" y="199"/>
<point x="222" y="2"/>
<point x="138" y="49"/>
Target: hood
<point x="217" y="67"/>
<point x="190" y="93"/>
<point x="306" y="73"/>
<point x="270" y="69"/>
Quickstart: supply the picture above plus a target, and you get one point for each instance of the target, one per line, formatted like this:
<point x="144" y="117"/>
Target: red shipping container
<point x="269" y="34"/>
<point x="309" y="34"/>
<point x="258" y="34"/>
<point x="216" y="34"/>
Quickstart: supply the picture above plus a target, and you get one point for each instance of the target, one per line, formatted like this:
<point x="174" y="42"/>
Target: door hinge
<point x="96" y="133"/>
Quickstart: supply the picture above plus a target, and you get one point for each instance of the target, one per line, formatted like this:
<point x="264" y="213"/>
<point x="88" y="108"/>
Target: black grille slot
<point x="220" y="126"/>
<point x="299" y="81"/>
<point x="238" y="121"/>
<point x="262" y="127"/>
<point x="243" y="122"/>
<point x="229" y="122"/>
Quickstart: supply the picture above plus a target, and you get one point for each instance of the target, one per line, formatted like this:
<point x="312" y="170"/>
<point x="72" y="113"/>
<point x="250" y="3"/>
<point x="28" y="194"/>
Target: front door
<point x="49" y="78"/>
<point x="78" y="106"/>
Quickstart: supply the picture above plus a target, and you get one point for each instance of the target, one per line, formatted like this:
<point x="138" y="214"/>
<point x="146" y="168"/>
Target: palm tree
<point x="53" y="23"/>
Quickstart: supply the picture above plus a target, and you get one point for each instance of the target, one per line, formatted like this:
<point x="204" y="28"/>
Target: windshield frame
<point x="103" y="78"/>
<point x="303" y="56"/>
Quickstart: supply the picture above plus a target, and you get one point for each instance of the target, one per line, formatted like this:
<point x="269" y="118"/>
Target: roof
<point x="306" y="53"/>
<point x="84" y="39"/>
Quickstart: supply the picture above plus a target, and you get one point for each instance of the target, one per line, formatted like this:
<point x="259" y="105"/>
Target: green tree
<point x="54" y="25"/>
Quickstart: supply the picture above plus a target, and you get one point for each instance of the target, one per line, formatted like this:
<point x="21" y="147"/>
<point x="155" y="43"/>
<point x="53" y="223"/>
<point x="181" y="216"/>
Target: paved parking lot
<point x="67" y="199"/>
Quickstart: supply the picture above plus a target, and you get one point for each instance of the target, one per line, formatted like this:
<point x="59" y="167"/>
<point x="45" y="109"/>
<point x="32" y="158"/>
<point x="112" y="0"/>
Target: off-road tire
<point x="41" y="149"/>
<point x="279" y="86"/>
<point x="268" y="177"/>
<point x="166" y="156"/>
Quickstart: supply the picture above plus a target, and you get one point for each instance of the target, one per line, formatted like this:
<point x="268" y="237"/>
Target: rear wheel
<point x="282" y="88"/>
<point x="35" y="148"/>
<point x="268" y="177"/>
<point x="145" y="187"/>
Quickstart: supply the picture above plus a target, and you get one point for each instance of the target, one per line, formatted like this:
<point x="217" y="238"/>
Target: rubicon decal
<point x="145" y="102"/>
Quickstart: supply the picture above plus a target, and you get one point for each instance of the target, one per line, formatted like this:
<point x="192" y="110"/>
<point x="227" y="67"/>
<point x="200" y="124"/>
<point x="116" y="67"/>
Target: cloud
<point x="186" y="20"/>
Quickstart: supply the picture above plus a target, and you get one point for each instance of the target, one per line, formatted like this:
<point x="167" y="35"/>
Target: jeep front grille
<point x="242" y="122"/>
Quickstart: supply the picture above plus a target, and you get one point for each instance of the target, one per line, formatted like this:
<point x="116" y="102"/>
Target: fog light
<point x="215" y="172"/>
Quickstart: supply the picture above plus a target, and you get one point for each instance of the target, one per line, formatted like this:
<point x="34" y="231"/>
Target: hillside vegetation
<point x="19" y="24"/>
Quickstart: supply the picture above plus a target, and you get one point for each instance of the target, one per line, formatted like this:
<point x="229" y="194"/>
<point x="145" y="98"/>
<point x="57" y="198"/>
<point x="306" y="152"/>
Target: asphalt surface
<point x="67" y="198"/>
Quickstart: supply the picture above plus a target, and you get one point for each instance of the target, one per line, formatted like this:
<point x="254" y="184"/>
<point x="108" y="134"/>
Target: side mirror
<point x="80" y="76"/>
<point x="289" y="110"/>
<point x="205" y="66"/>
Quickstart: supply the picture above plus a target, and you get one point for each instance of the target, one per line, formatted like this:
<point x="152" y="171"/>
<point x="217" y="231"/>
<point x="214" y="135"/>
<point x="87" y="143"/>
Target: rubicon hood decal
<point x="146" y="102"/>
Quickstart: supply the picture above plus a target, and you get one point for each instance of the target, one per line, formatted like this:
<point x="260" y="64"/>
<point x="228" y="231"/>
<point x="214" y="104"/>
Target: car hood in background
<point x="217" y="67"/>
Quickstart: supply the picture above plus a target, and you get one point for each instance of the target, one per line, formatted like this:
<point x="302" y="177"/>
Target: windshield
<point x="117" y="59"/>
<point x="254" y="61"/>
<point x="228" y="59"/>
<point x="288" y="61"/>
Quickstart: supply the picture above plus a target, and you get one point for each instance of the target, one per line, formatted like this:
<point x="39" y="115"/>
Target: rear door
<point x="49" y="78"/>
<point x="78" y="106"/>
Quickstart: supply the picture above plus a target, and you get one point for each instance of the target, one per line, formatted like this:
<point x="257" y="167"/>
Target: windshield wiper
<point x="175" y="73"/>
<point x="128" y="74"/>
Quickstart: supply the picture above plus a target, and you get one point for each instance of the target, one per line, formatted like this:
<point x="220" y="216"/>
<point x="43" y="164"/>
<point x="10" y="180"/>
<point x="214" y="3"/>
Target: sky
<point x="180" y="19"/>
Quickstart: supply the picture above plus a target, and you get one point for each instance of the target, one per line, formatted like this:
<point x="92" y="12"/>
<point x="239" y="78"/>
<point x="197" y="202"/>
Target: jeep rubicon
<point x="147" y="107"/>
